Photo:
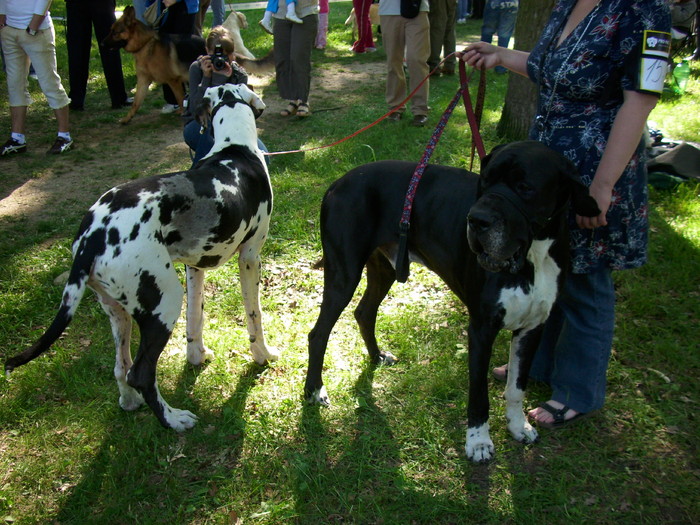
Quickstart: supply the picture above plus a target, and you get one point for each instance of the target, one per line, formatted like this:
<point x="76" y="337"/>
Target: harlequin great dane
<point x="131" y="237"/>
<point x="499" y="241"/>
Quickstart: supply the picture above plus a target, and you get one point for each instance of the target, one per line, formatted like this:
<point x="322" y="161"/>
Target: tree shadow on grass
<point x="363" y="480"/>
<point x="143" y="469"/>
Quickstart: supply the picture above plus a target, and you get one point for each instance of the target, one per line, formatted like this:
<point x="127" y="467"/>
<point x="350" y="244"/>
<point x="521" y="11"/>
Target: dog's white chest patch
<point x="528" y="309"/>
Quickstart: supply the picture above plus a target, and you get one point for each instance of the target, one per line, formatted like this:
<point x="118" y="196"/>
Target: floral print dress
<point x="620" y="45"/>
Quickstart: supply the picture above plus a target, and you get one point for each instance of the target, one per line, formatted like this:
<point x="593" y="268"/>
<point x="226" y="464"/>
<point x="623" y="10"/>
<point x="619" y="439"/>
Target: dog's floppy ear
<point x="202" y="111"/>
<point x="581" y="201"/>
<point x="487" y="158"/>
<point x="252" y="99"/>
<point x="242" y="20"/>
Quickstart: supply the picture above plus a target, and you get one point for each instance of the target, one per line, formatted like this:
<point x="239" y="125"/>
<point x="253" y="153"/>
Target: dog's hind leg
<point x="249" y="271"/>
<point x="120" y="320"/>
<point x="160" y="301"/>
<point x="339" y="285"/>
<point x="197" y="353"/>
<point x="380" y="278"/>
<point x="522" y="350"/>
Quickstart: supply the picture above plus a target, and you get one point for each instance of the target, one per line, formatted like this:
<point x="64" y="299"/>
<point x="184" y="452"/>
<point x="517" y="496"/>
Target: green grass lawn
<point x="391" y="448"/>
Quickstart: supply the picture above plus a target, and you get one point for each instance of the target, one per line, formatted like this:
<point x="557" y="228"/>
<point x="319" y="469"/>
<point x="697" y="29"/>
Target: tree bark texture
<point x="521" y="95"/>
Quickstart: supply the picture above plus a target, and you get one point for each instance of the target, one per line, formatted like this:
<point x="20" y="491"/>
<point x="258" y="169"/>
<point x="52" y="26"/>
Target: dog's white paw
<point x="179" y="420"/>
<point x="524" y="434"/>
<point x="479" y="446"/>
<point x="319" y="397"/>
<point x="264" y="354"/>
<point x="130" y="400"/>
<point x="387" y="359"/>
<point x="198" y="354"/>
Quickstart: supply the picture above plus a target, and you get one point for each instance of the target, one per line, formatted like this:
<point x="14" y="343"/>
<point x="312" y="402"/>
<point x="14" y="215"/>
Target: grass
<point x="391" y="448"/>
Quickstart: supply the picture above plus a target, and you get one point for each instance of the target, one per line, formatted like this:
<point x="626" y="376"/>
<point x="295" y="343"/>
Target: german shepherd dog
<point x="164" y="59"/>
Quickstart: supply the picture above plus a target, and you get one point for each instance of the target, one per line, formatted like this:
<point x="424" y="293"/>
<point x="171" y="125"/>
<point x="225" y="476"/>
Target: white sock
<point x="64" y="135"/>
<point x="19" y="137"/>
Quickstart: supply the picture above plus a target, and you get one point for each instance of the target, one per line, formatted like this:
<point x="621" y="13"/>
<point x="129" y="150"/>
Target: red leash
<point x="474" y="118"/>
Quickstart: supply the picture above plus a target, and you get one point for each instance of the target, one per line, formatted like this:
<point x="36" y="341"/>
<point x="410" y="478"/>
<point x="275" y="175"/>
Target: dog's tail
<point x="72" y="294"/>
<point x="258" y="66"/>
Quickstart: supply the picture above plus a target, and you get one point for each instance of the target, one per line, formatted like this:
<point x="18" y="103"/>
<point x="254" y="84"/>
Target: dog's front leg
<point x="522" y="350"/>
<point x="142" y="84"/>
<point x="249" y="270"/>
<point x="479" y="446"/>
<point x="197" y="353"/>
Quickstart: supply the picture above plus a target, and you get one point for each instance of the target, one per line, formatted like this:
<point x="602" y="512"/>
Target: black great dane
<point x="499" y="241"/>
<point x="131" y="237"/>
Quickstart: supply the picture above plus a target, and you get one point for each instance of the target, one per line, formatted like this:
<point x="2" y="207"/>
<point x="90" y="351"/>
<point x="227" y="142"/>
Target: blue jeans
<point x="219" y="11"/>
<point x="462" y="9"/>
<point x="139" y="8"/>
<point x="201" y="143"/>
<point x="498" y="21"/>
<point x="575" y="349"/>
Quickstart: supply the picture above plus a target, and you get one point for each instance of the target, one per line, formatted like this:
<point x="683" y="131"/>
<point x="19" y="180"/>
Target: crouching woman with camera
<point x="215" y="69"/>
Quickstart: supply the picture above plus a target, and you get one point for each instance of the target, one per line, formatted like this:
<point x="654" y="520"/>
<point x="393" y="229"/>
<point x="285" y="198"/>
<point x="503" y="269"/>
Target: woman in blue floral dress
<point x="599" y="66"/>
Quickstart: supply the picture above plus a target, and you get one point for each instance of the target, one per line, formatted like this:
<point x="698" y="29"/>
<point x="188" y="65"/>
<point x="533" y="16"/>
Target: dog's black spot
<point x="113" y="237"/>
<point x="158" y="236"/>
<point x="208" y="261"/>
<point x="148" y="294"/>
<point x="123" y="299"/>
<point x="147" y="214"/>
<point x="207" y="247"/>
<point x="89" y="248"/>
<point x="87" y="221"/>
<point x="106" y="220"/>
<point x="249" y="235"/>
<point x="171" y="205"/>
<point x="117" y="252"/>
<point x="173" y="237"/>
<point x="167" y="265"/>
<point x="134" y="232"/>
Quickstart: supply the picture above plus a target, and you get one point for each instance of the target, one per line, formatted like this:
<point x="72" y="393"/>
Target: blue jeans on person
<point x="577" y="340"/>
<point x="140" y="8"/>
<point x="201" y="143"/>
<point x="218" y="9"/>
<point x="462" y="9"/>
<point x="499" y="21"/>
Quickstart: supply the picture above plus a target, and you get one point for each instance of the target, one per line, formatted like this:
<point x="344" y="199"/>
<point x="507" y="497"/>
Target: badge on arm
<point x="653" y="66"/>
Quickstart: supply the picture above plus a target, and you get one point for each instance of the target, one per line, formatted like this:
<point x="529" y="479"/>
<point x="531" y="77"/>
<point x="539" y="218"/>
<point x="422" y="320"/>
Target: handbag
<point x="150" y="15"/>
<point x="410" y="8"/>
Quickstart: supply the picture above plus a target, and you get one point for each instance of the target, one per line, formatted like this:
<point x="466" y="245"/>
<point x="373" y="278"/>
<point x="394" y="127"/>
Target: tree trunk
<point x="521" y="95"/>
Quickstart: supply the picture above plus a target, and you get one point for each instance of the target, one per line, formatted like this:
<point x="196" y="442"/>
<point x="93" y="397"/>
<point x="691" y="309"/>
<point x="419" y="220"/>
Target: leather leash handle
<point x="474" y="116"/>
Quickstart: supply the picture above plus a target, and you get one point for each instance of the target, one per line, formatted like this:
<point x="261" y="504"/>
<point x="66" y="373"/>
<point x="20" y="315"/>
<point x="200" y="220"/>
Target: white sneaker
<point x="169" y="108"/>
<point x="291" y="15"/>
<point x="266" y="25"/>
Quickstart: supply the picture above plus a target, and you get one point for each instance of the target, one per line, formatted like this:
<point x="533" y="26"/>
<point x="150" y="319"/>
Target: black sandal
<point x="303" y="110"/>
<point x="290" y="110"/>
<point x="559" y="417"/>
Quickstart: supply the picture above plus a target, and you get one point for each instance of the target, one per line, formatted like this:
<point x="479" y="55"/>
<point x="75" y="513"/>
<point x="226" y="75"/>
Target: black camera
<point x="219" y="58"/>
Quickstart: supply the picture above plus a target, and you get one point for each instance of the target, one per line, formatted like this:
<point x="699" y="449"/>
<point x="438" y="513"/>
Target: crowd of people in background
<point x="28" y="50"/>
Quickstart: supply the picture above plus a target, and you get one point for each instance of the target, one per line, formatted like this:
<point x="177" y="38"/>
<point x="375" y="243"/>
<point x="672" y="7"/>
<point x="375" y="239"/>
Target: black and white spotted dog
<point x="131" y="237"/>
<point x="498" y="240"/>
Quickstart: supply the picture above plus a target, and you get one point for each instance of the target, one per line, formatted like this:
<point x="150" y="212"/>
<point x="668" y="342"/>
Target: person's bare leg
<point x="18" y="114"/>
<point x="63" y="118"/>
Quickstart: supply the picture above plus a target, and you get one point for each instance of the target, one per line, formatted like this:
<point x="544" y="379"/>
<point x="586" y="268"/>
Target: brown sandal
<point x="303" y="110"/>
<point x="290" y="110"/>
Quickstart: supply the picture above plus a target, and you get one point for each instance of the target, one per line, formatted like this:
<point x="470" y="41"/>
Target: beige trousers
<point x="407" y="38"/>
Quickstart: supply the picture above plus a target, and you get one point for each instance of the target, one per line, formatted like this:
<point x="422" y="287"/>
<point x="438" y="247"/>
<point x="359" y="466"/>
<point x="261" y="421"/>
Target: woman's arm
<point x="623" y="140"/>
<point x="482" y="55"/>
